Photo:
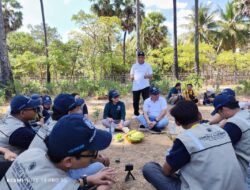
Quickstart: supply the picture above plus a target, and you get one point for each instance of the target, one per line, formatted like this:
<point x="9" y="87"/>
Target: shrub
<point x="244" y="87"/>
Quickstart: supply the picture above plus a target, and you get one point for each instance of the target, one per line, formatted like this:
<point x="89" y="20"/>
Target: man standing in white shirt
<point x="140" y="74"/>
<point x="155" y="110"/>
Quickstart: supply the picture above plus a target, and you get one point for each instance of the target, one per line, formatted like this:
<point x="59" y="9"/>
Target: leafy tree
<point x="233" y="29"/>
<point x="207" y="25"/>
<point x="38" y="33"/>
<point x="154" y="33"/>
<point x="12" y="15"/>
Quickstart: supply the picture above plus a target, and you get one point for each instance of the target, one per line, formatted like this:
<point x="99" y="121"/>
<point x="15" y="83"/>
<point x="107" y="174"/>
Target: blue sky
<point x="58" y="13"/>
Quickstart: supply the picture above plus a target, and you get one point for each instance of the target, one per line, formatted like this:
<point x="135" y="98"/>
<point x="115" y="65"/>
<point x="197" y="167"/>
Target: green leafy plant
<point x="244" y="87"/>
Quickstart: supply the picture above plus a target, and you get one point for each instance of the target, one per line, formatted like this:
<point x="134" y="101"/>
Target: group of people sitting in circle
<point x="47" y="145"/>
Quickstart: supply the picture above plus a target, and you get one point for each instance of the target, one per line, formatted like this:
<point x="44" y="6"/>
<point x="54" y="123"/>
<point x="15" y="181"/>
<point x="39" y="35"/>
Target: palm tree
<point x="102" y="7"/>
<point x="233" y="29"/>
<point x="6" y="74"/>
<point x="154" y="33"/>
<point x="207" y="25"/>
<point x="196" y="36"/>
<point x="176" y="67"/>
<point x="45" y="43"/>
<point x="12" y="16"/>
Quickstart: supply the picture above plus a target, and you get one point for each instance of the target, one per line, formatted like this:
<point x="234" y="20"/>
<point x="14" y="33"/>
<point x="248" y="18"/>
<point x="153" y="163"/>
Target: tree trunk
<point x="176" y="67"/>
<point x="196" y="41"/>
<point x="45" y="43"/>
<point x="6" y="73"/>
<point x="124" y="48"/>
<point x="137" y="26"/>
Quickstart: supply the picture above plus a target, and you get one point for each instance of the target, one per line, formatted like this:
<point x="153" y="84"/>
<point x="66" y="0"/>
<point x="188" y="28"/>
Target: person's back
<point x="242" y="147"/>
<point x="33" y="170"/>
<point x="207" y="145"/>
<point x="203" y="155"/>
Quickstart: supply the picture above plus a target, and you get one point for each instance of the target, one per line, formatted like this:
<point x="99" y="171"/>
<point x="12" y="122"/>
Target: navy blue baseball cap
<point x="140" y="53"/>
<point x="47" y="100"/>
<point x="154" y="90"/>
<point x="222" y="100"/>
<point x="19" y="103"/>
<point x="228" y="91"/>
<point x="73" y="134"/>
<point x="65" y="102"/>
<point x="113" y="93"/>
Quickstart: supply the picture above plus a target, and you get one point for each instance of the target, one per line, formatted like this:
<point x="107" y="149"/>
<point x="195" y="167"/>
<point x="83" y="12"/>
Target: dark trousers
<point x="136" y="98"/>
<point x="4" y="166"/>
<point x="153" y="173"/>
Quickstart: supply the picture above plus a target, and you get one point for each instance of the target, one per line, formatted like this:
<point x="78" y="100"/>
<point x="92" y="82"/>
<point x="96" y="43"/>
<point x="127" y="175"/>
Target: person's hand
<point x="103" y="159"/>
<point x="105" y="177"/>
<point x="120" y="125"/>
<point x="8" y="155"/>
<point x="152" y="124"/>
<point x="147" y="76"/>
<point x="132" y="77"/>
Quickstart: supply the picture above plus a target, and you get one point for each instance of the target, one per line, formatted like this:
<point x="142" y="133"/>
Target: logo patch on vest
<point x="213" y="136"/>
<point x="32" y="166"/>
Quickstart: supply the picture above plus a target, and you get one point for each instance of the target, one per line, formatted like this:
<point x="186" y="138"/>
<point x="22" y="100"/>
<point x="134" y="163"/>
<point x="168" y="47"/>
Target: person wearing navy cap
<point x="14" y="135"/>
<point x="72" y="144"/>
<point x="65" y="104"/>
<point x="140" y="73"/>
<point x="84" y="107"/>
<point x="201" y="158"/>
<point x="46" y="103"/>
<point x="154" y="112"/>
<point x="237" y="126"/>
<point x="115" y="112"/>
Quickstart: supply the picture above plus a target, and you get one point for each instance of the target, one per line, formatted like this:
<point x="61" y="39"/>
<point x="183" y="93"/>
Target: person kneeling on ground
<point x="197" y="153"/>
<point x="174" y="94"/>
<point x="154" y="112"/>
<point x="49" y="170"/>
<point x="114" y="113"/>
<point x="189" y="94"/>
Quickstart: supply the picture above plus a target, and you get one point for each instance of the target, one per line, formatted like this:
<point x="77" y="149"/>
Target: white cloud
<point x="164" y="4"/>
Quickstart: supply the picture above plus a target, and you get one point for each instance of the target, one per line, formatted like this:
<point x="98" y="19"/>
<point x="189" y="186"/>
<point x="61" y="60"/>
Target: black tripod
<point x="128" y="176"/>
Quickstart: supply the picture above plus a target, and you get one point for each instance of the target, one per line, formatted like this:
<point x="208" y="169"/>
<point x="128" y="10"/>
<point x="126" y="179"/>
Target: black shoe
<point x="136" y="113"/>
<point x="155" y="129"/>
<point x="142" y="127"/>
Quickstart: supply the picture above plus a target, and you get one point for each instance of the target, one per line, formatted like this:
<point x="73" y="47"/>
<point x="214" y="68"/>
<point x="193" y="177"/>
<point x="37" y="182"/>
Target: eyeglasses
<point x="94" y="155"/>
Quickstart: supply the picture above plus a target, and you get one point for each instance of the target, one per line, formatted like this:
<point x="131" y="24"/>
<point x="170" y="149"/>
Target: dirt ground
<point x="153" y="148"/>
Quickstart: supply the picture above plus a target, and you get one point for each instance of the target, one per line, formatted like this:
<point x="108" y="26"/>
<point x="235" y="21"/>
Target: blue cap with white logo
<point x="73" y="134"/>
<point x="154" y="90"/>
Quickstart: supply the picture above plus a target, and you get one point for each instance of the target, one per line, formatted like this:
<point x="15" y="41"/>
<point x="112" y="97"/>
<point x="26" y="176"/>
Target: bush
<point x="244" y="87"/>
<point x="83" y="87"/>
<point x="194" y="79"/>
<point x="2" y="97"/>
